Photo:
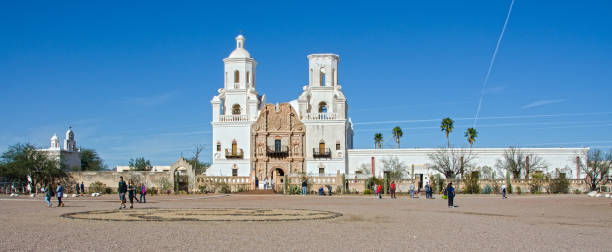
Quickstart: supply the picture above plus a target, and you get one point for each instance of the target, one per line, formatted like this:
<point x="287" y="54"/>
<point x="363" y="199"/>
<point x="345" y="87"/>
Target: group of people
<point x="80" y="189"/>
<point x="266" y="184"/>
<point x="449" y="191"/>
<point x="131" y="190"/>
<point x="59" y="193"/>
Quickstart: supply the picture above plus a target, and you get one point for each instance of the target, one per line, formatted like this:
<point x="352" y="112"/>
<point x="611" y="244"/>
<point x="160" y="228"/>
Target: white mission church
<point x="314" y="134"/>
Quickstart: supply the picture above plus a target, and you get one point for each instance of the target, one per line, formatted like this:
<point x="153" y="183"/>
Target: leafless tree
<point x="518" y="162"/>
<point x="597" y="168"/>
<point x="396" y="169"/>
<point x="451" y="161"/>
<point x="198" y="167"/>
<point x="365" y="169"/>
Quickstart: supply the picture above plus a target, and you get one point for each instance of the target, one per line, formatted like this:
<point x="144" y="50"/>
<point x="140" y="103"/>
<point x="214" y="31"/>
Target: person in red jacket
<point x="393" y="190"/>
<point x="379" y="191"/>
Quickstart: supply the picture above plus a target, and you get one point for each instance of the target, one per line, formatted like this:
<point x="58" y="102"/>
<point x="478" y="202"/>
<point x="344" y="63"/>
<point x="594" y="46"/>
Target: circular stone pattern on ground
<point x="204" y="214"/>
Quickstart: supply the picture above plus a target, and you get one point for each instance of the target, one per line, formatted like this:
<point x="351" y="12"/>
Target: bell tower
<point x="234" y="110"/>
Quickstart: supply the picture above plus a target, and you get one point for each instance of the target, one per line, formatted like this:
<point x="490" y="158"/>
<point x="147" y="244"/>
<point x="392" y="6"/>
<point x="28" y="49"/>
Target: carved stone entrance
<point x="277" y="144"/>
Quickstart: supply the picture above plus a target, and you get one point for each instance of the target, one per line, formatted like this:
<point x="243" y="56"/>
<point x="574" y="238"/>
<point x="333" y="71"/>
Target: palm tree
<point x="378" y="139"/>
<point x="447" y="127"/>
<point x="397" y="134"/>
<point x="471" y="135"/>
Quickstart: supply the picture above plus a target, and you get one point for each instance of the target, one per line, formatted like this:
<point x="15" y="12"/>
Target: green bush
<point x="536" y="182"/>
<point x="368" y="191"/>
<point x="508" y="184"/>
<point x="518" y="190"/>
<point x="152" y="190"/>
<point x="108" y="190"/>
<point x="487" y="189"/>
<point x="559" y="185"/>
<point x="224" y="188"/>
<point x="371" y="182"/>
<point x="471" y="183"/>
<point x="96" y="187"/>
<point x="294" y="189"/>
<point x="577" y="191"/>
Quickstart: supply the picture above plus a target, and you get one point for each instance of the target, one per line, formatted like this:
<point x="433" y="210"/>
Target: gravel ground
<point x="479" y="223"/>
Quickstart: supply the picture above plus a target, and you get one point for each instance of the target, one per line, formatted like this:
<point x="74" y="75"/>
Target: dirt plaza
<point x="299" y="223"/>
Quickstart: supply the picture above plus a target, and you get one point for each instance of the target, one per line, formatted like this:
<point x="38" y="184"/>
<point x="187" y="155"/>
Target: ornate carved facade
<point x="278" y="144"/>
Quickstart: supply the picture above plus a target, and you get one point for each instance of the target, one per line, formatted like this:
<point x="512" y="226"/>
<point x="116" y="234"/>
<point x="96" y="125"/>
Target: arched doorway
<point x="277" y="177"/>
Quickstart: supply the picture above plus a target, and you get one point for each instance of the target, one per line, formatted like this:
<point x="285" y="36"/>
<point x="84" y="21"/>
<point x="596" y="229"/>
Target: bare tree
<point x="198" y="167"/>
<point x="365" y="169"/>
<point x="395" y="168"/>
<point x="451" y="161"/>
<point x="597" y="168"/>
<point x="518" y="162"/>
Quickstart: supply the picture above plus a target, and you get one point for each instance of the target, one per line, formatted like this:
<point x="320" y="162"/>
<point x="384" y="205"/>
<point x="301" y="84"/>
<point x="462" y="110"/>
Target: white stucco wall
<point x="553" y="157"/>
<point x="225" y="133"/>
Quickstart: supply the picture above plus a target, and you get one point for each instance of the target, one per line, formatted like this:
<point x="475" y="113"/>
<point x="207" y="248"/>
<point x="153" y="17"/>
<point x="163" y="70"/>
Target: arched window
<point x="322" y="75"/>
<point x="218" y="146"/>
<point x="234" y="148"/>
<point x="322" y="147"/>
<point x="236" y="109"/>
<point x="236" y="76"/>
<point x="322" y="107"/>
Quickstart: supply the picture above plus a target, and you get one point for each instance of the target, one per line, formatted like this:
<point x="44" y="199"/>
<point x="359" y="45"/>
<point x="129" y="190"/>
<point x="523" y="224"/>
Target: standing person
<point x="304" y="187"/>
<point x="122" y="189"/>
<point x="143" y="193"/>
<point x="379" y="191"/>
<point x="48" y="194"/>
<point x="393" y="190"/>
<point x="412" y="189"/>
<point x="503" y="191"/>
<point x="450" y="191"/>
<point x="427" y="188"/>
<point x="78" y="189"/>
<point x="272" y="183"/>
<point x="266" y="183"/>
<point x="256" y="183"/>
<point x="132" y="193"/>
<point x="82" y="188"/>
<point x="60" y="193"/>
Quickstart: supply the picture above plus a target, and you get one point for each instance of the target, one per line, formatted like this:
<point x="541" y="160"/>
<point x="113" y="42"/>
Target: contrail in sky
<point x="484" y="84"/>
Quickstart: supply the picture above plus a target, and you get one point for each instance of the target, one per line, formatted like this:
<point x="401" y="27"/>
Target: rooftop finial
<point x="240" y="41"/>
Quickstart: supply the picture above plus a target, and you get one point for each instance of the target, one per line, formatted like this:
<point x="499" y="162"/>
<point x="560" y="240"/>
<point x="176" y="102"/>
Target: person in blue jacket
<point x="450" y="191"/>
<point x="60" y="193"/>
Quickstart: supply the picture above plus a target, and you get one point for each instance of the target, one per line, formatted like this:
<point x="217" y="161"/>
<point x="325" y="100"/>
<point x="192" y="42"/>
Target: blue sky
<point x="135" y="79"/>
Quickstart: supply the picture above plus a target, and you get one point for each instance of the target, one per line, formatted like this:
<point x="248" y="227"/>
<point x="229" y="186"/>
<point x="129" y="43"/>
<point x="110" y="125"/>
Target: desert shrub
<point x="471" y="183"/>
<point x="164" y="184"/>
<point x="536" y="182"/>
<point x="108" y="190"/>
<point x="518" y="190"/>
<point x="152" y="190"/>
<point x="202" y="188"/>
<point x="224" y="188"/>
<point x="241" y="188"/>
<point x="495" y="186"/>
<point x="371" y="182"/>
<point x="294" y="189"/>
<point x="559" y="185"/>
<point x="508" y="183"/>
<point x="96" y="187"/>
<point x="487" y="189"/>
<point x="182" y="192"/>
<point x="368" y="191"/>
